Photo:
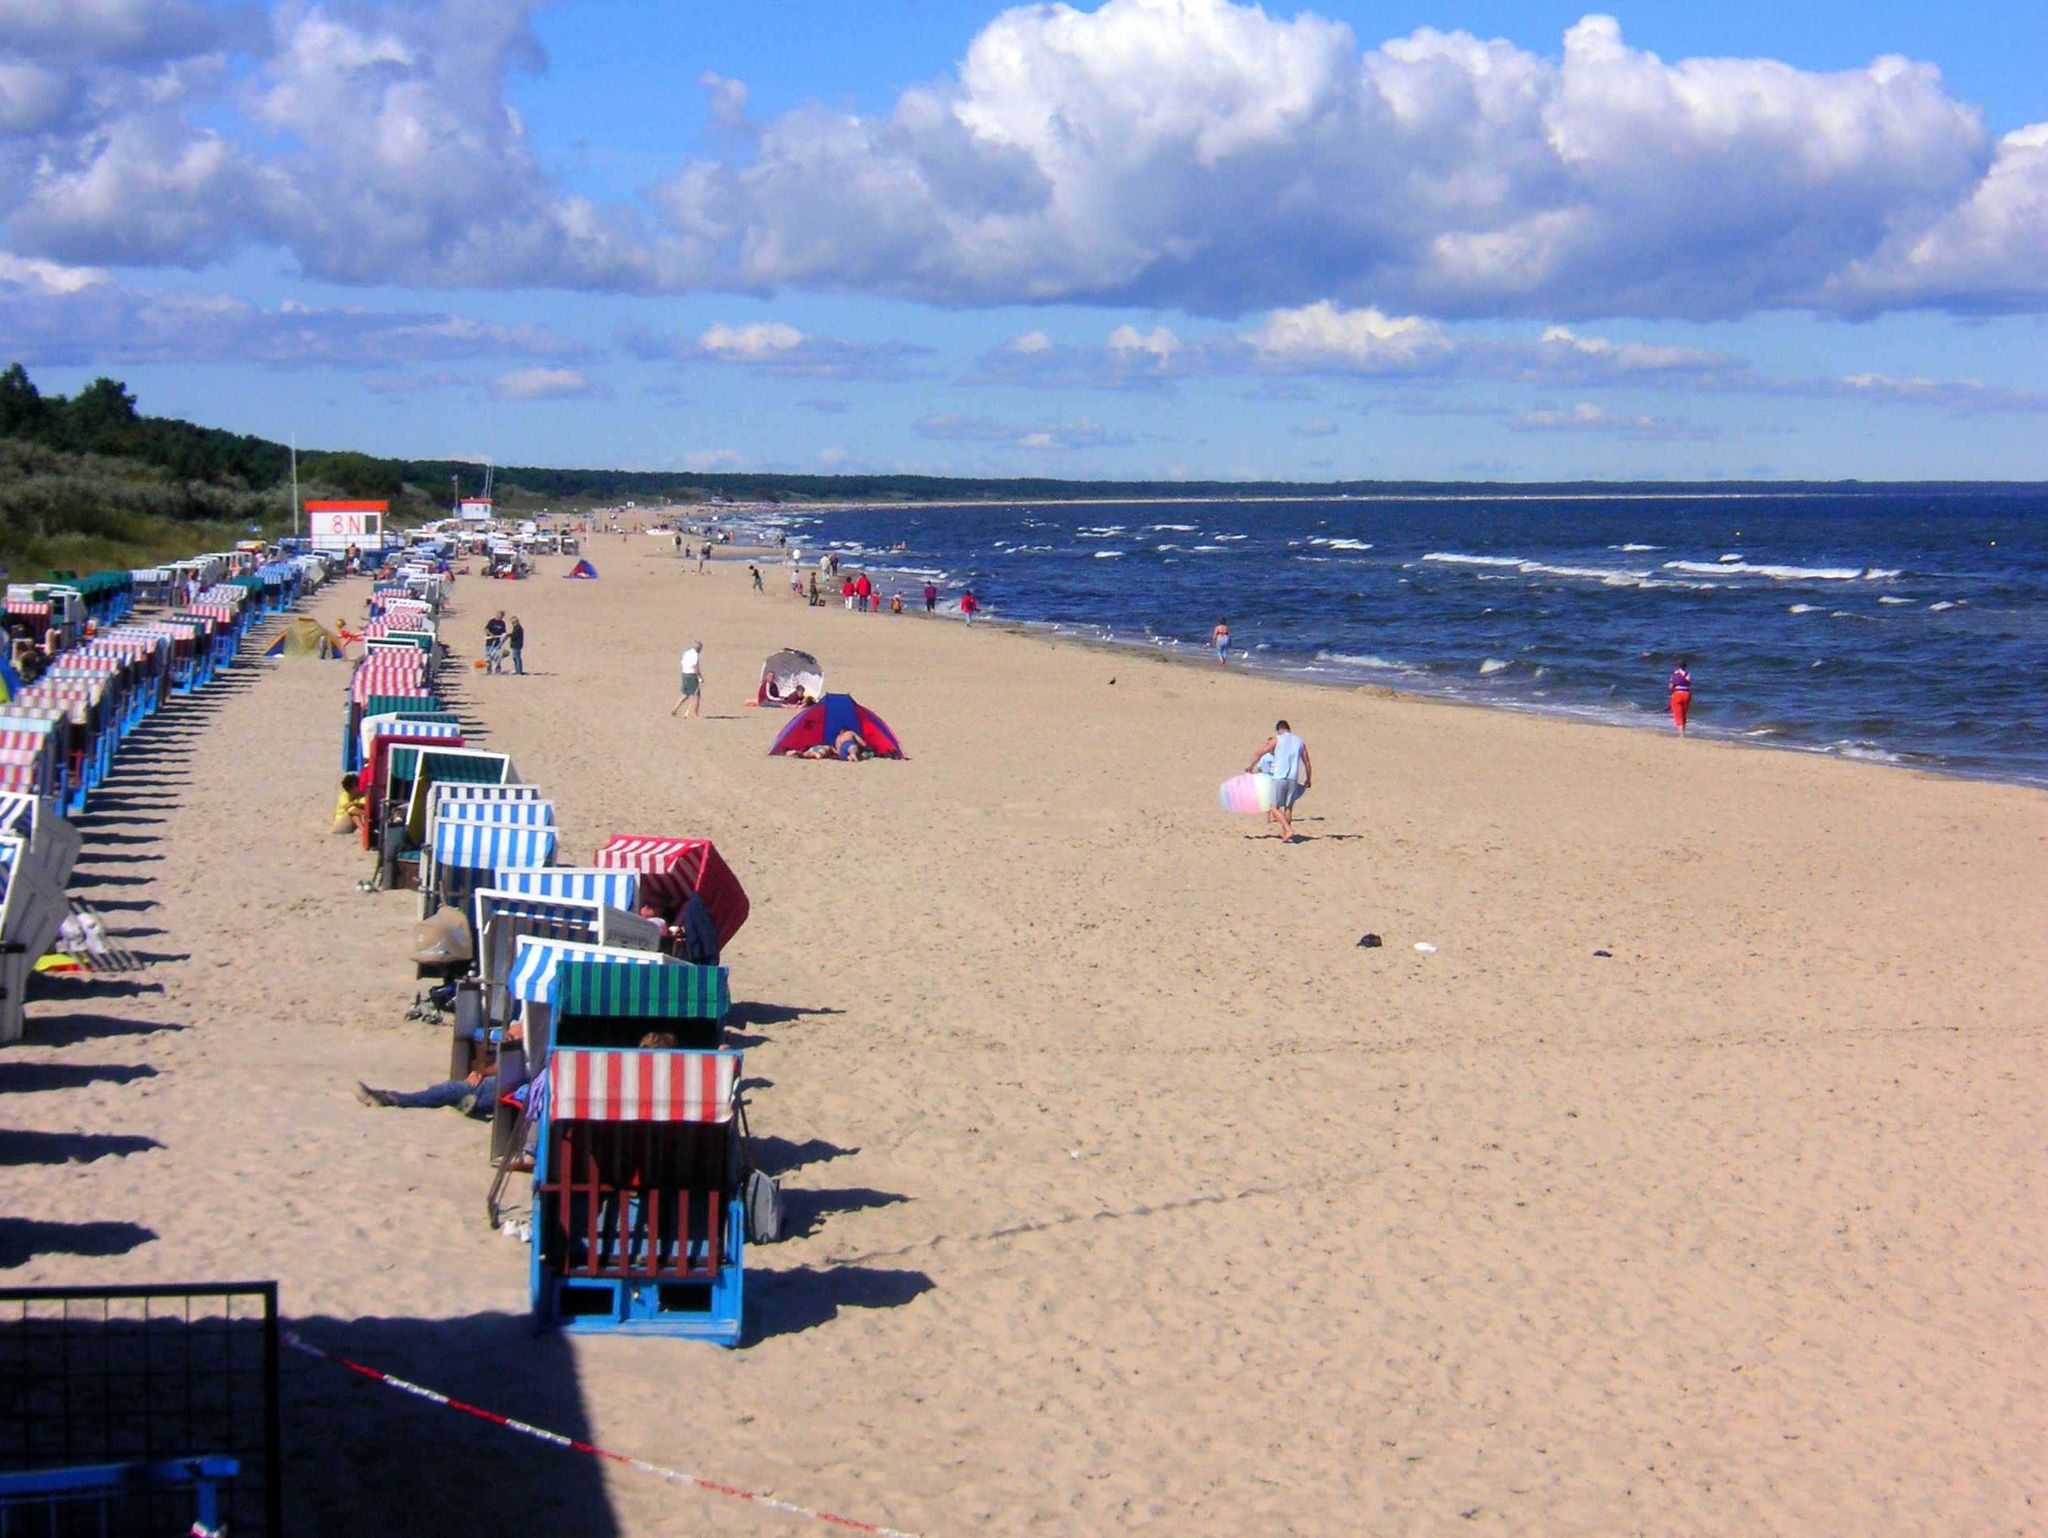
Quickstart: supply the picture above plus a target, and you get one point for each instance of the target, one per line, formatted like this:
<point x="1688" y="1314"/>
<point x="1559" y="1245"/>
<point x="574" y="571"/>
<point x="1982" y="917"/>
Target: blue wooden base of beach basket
<point x="639" y="1226"/>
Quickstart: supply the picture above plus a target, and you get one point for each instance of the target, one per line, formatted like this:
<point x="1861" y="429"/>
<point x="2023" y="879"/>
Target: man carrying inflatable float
<point x="1278" y="775"/>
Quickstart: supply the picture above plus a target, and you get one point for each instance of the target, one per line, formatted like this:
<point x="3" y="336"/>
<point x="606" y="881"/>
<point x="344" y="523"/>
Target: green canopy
<point x="674" y="990"/>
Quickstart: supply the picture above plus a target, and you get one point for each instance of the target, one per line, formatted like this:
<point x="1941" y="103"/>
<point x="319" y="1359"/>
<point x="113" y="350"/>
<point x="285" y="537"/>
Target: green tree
<point x="23" y="410"/>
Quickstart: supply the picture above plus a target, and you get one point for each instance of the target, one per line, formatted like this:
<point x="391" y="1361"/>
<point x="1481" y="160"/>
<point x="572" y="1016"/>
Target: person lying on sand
<point x="476" y="1095"/>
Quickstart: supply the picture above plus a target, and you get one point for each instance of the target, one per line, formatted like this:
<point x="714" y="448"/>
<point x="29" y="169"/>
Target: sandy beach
<point x="1131" y="1194"/>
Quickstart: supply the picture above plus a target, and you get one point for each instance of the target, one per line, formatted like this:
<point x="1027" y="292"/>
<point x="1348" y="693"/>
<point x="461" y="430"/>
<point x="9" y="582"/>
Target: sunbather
<point x="476" y="1095"/>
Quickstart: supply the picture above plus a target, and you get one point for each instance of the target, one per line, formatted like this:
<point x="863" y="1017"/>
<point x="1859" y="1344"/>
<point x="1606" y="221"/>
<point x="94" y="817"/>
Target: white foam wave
<point x="1729" y="564"/>
<point x="1451" y="558"/>
<point x="1803" y="608"/>
<point x="1358" y="660"/>
<point x="1607" y="576"/>
<point x="1491" y="666"/>
<point x="1632" y="549"/>
<point x="1888" y="599"/>
<point x="1937" y="608"/>
<point x="1170" y="528"/>
<point x="1107" y="555"/>
<point x="1343" y="544"/>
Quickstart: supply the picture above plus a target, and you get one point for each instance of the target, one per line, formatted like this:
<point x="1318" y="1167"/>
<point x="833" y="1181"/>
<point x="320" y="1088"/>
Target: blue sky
<point x="1142" y="238"/>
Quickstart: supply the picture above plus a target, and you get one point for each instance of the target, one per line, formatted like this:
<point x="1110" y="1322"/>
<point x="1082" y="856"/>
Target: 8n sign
<point x="337" y="525"/>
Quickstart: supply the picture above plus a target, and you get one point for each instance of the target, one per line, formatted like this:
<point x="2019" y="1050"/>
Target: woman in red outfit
<point x="1681" y="695"/>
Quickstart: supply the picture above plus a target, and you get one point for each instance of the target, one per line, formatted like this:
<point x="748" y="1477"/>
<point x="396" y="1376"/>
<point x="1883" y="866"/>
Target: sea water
<point x="1905" y="626"/>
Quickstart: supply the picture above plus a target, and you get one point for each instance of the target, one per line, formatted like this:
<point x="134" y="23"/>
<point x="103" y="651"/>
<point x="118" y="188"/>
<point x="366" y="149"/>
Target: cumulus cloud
<point x="776" y="347"/>
<point x="1212" y="157"/>
<point x="542" y="384"/>
<point x="1126" y="359"/>
<point x="52" y="314"/>
<point x="1326" y="337"/>
<point x="1194" y="155"/>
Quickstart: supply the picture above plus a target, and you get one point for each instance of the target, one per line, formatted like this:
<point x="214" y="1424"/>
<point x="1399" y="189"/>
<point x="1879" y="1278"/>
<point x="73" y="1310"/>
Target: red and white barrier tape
<point x="673" y="1476"/>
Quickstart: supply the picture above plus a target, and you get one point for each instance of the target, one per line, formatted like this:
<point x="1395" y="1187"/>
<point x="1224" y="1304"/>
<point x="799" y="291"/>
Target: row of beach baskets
<point x="592" y="993"/>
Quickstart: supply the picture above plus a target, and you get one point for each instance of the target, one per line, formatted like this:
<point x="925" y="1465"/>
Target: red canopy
<point x="672" y="868"/>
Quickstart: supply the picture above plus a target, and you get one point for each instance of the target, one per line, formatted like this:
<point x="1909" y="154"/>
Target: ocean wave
<point x="1607" y="576"/>
<point x="1343" y="544"/>
<point x="1735" y="565"/>
<point x="1491" y="666"/>
<point x="1107" y="555"/>
<point x="1803" y="608"/>
<point x="1945" y="604"/>
<point x="1633" y="549"/>
<point x="1169" y="528"/>
<point x="1358" y="660"/>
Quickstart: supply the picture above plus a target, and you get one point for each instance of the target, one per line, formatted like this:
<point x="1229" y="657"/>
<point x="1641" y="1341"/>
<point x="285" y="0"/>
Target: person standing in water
<point x="1681" y="695"/>
<point x="1220" y="639"/>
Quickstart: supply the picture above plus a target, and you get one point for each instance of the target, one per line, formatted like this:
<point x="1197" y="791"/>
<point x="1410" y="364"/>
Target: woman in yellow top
<point x="351" y="806"/>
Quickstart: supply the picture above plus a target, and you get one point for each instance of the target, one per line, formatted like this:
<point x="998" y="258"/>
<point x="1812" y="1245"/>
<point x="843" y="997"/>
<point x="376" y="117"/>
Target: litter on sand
<point x="1425" y="947"/>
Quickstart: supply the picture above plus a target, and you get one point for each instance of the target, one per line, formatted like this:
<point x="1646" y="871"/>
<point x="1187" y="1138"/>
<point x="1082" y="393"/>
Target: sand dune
<point x="1132" y="1194"/>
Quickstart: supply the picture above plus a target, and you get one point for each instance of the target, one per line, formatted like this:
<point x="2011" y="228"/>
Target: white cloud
<point x="1158" y="347"/>
<point x="46" y="278"/>
<point x="1560" y="345"/>
<point x="1586" y="417"/>
<point x="1217" y="158"/>
<point x="751" y="344"/>
<point x="1036" y="437"/>
<point x="541" y="384"/>
<point x="1196" y="155"/>
<point x="1961" y="395"/>
<point x="56" y="315"/>
<point x="776" y="347"/>
<point x="1324" y="336"/>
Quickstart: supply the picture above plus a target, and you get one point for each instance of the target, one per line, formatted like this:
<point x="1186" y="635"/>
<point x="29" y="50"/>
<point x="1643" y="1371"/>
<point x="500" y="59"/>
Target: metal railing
<point x="139" y="1409"/>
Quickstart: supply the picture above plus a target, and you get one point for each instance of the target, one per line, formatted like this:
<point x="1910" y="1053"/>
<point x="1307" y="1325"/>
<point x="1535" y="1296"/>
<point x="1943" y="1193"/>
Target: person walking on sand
<point x="755" y="572"/>
<point x="968" y="604"/>
<point x="515" y="638"/>
<point x="1681" y="695"/>
<point x="692" y="698"/>
<point x="1220" y="639"/>
<point x="1292" y="771"/>
<point x="931" y="596"/>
